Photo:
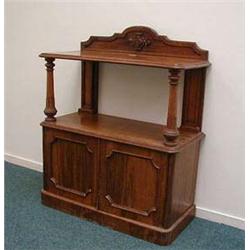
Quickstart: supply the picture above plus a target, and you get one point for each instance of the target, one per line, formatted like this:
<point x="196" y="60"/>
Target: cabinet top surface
<point x="138" y="45"/>
<point x="138" y="133"/>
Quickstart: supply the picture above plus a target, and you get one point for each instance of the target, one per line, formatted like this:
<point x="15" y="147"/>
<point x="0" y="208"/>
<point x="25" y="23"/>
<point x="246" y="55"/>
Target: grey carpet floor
<point x="30" y="225"/>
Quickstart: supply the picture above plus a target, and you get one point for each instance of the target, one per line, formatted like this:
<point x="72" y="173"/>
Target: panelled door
<point x="132" y="182"/>
<point x="71" y="165"/>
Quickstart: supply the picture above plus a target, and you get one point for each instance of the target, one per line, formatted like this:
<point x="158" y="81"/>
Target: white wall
<point x="35" y="26"/>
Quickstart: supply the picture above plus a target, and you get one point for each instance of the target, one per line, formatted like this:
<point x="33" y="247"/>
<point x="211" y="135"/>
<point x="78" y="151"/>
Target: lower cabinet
<point x="139" y="191"/>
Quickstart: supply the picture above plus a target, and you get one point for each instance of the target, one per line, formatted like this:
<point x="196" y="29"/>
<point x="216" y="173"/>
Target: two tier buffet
<point x="135" y="177"/>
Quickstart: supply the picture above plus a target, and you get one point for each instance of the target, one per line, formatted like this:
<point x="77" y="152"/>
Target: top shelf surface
<point x="132" y="58"/>
<point x="141" y="46"/>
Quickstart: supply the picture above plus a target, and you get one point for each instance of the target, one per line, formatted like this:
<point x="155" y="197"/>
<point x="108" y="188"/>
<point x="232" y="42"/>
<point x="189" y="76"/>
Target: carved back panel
<point x="143" y="40"/>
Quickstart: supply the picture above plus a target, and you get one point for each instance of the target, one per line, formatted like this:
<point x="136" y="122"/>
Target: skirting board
<point x="23" y="162"/>
<point x="220" y="217"/>
<point x="201" y="212"/>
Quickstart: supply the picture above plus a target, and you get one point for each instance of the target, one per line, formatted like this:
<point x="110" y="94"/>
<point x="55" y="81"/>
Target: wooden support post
<point x="89" y="99"/>
<point x="193" y="97"/>
<point x="170" y="131"/>
<point x="50" y="109"/>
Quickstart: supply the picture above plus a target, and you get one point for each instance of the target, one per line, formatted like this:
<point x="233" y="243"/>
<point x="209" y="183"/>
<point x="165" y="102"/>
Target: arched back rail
<point x="145" y="41"/>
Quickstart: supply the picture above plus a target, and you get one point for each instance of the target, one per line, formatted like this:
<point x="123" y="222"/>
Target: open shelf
<point x="132" y="58"/>
<point x="138" y="46"/>
<point x="138" y="133"/>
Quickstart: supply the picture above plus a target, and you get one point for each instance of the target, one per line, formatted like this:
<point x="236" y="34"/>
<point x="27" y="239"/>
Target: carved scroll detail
<point x="131" y="154"/>
<point x="129" y="209"/>
<point x="84" y="194"/>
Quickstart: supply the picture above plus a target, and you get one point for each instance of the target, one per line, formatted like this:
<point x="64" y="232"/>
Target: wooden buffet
<point x="135" y="177"/>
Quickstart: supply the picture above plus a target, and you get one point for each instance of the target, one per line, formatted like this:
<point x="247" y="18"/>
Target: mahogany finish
<point x="139" y="46"/>
<point x="171" y="132"/>
<point x="137" y="133"/>
<point x="134" y="58"/>
<point x="135" y="177"/>
<point x="89" y="100"/>
<point x="50" y="109"/>
<point x="192" y="108"/>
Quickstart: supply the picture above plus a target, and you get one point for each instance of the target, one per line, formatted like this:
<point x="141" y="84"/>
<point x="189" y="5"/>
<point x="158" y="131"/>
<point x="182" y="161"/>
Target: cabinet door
<point x="70" y="163"/>
<point x="133" y="182"/>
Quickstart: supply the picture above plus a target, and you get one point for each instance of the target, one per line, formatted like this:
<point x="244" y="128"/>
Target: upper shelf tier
<point x="139" y="46"/>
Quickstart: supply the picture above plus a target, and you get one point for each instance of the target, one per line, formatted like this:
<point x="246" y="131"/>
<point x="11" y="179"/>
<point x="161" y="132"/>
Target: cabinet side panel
<point x="182" y="180"/>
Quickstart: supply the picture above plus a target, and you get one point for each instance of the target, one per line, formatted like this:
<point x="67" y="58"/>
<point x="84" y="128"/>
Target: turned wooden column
<point x="50" y="109"/>
<point x="171" y="131"/>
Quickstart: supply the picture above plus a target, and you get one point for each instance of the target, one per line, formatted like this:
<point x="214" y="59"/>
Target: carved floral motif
<point x="138" y="40"/>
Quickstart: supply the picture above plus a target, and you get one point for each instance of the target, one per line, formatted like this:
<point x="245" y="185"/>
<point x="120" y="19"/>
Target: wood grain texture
<point x="144" y="231"/>
<point x="131" y="184"/>
<point x="182" y="173"/>
<point x="193" y="98"/>
<point x="138" y="133"/>
<point x="150" y="188"/>
<point x="135" y="177"/>
<point x="144" y="40"/>
<point x="130" y="59"/>
<point x="170" y="131"/>
<point x="50" y="109"/>
<point x="139" y="45"/>
<point x="89" y="78"/>
<point x="70" y="161"/>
